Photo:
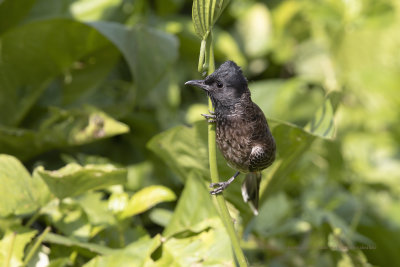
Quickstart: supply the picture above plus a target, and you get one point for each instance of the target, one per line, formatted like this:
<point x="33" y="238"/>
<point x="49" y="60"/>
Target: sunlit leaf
<point x="136" y="254"/>
<point x="210" y="248"/>
<point x="147" y="198"/>
<point x="161" y="216"/>
<point x="13" y="244"/>
<point x="183" y="149"/>
<point x="195" y="231"/>
<point x="73" y="179"/>
<point x="301" y="102"/>
<point x="21" y="194"/>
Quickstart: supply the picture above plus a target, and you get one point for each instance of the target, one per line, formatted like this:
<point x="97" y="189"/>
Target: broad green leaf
<point x="60" y="129"/>
<point x="291" y="143"/>
<point x="21" y="194"/>
<point x="183" y="149"/>
<point x="12" y="11"/>
<point x="272" y="214"/>
<point x="96" y="209"/>
<point x="146" y="199"/>
<point x="73" y="179"/>
<point x="144" y="49"/>
<point x="28" y="69"/>
<point x="91" y="10"/>
<point x="205" y="13"/>
<point x="195" y="210"/>
<point x="196" y="233"/>
<point x="301" y="102"/>
<point x="78" y="127"/>
<point x="161" y="216"/>
<point x="386" y="237"/>
<point x="136" y="254"/>
<point x="13" y="244"/>
<point x="208" y="248"/>
<point x="70" y="242"/>
<point x="45" y="51"/>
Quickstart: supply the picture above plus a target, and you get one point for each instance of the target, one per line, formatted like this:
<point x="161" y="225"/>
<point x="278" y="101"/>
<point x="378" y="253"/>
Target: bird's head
<point x="225" y="85"/>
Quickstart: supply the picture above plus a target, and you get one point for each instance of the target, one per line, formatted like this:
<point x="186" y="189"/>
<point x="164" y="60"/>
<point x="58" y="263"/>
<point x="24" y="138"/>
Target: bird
<point x="242" y="132"/>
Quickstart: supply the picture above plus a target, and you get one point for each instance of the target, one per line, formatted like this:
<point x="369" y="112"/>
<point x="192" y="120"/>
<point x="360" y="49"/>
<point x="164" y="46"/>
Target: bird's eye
<point x="219" y="85"/>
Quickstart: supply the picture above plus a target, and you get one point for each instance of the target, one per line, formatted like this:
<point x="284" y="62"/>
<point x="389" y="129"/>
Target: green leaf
<point x="69" y="242"/>
<point x="208" y="248"/>
<point x="146" y="199"/>
<point x="91" y="10"/>
<point x="58" y="46"/>
<point x="12" y="246"/>
<point x="161" y="216"/>
<point x="184" y="149"/>
<point x="73" y="179"/>
<point x="13" y="11"/>
<point x="21" y="194"/>
<point x="144" y="49"/>
<point x="96" y="209"/>
<point x="77" y="127"/>
<point x="27" y="69"/>
<point x="195" y="210"/>
<point x="196" y="233"/>
<point x="205" y="13"/>
<point x="136" y="254"/>
<point x="272" y="214"/>
<point x="303" y="101"/>
<point x="291" y="143"/>
<point x="60" y="129"/>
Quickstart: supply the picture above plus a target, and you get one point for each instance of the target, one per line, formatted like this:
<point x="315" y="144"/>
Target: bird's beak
<point x="198" y="83"/>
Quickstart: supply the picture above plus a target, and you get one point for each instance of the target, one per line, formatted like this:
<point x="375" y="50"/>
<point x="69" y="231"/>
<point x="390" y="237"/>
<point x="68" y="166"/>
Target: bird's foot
<point x="218" y="187"/>
<point x="209" y="118"/>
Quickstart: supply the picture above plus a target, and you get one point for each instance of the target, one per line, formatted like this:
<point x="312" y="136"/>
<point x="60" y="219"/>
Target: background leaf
<point x="21" y="193"/>
<point x="147" y="198"/>
<point x="73" y="179"/>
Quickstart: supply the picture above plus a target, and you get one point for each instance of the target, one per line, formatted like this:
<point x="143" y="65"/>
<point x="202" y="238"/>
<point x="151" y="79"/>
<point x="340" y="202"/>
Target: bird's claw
<point x="209" y="118"/>
<point x="219" y="187"/>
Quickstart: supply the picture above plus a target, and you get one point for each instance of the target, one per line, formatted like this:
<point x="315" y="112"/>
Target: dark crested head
<point x="225" y="85"/>
<point x="229" y="74"/>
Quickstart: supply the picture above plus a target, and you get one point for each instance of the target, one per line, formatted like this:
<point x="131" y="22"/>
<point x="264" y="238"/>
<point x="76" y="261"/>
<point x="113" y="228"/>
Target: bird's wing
<point x="263" y="144"/>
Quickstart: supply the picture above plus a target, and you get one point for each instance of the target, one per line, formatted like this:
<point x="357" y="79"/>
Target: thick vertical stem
<point x="212" y="154"/>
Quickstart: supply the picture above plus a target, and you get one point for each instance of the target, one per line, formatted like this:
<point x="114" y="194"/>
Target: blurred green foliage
<point x="100" y="140"/>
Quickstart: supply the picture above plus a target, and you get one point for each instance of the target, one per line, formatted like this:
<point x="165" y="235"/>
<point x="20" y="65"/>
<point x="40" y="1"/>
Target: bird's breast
<point x="233" y="141"/>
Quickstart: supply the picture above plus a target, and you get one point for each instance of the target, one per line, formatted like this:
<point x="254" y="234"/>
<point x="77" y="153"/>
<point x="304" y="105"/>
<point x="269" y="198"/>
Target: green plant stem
<point x="212" y="154"/>
<point x="33" y="219"/>
<point x="36" y="245"/>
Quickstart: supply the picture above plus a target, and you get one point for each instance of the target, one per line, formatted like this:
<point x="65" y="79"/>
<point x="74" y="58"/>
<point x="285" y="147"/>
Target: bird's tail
<point x="251" y="189"/>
